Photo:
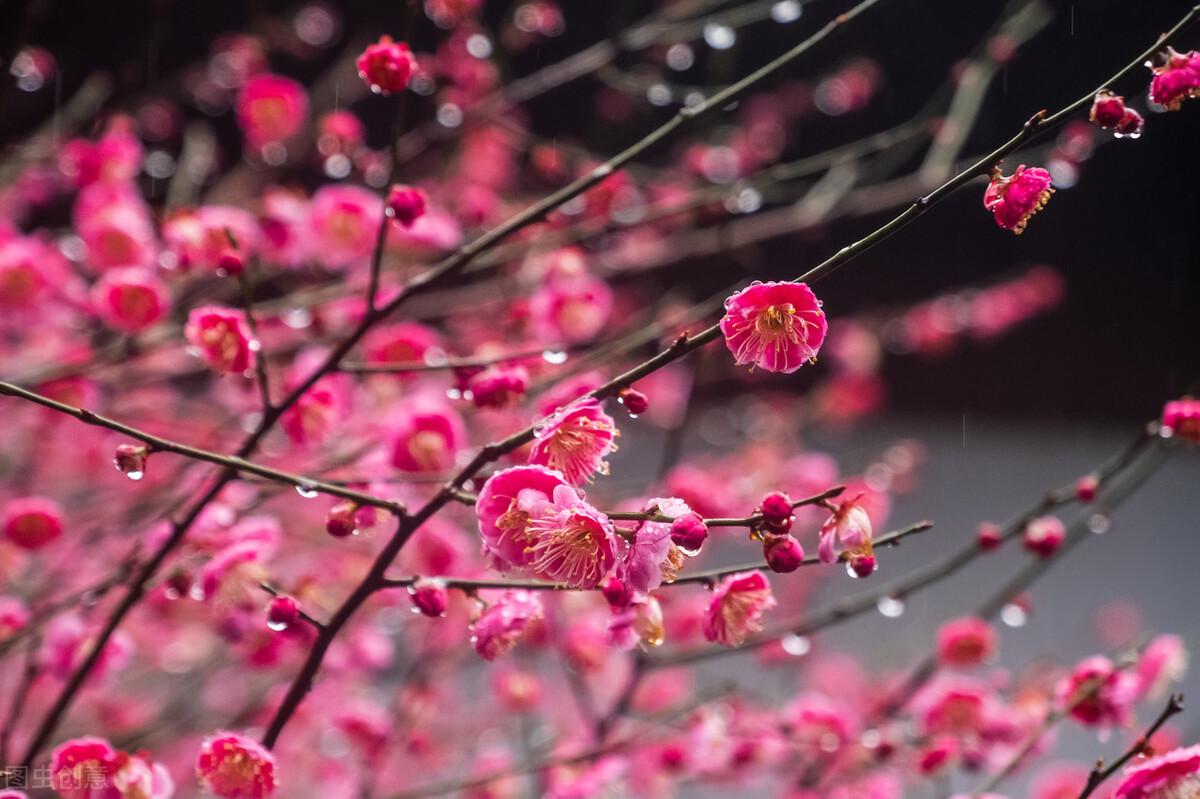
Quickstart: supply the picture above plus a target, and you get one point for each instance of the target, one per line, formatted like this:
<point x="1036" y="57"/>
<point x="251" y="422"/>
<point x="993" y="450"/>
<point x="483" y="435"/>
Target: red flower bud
<point x="990" y="537"/>
<point x="634" y="401"/>
<point x="1085" y="489"/>
<point x="617" y="593"/>
<point x="783" y="553"/>
<point x="405" y="204"/>
<point x="342" y="520"/>
<point x="429" y="596"/>
<point x="776" y="507"/>
<point x="282" y="613"/>
<point x="689" y="532"/>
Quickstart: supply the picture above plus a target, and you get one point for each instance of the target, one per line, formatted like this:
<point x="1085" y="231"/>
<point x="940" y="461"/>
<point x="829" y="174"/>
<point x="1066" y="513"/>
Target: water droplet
<point x="1098" y="523"/>
<point x="871" y="739"/>
<point x="453" y="393"/>
<point x="786" y="11"/>
<point x="1014" y="615"/>
<point x="554" y="356"/>
<point x="1166" y="431"/>
<point x="171" y="593"/>
<point x="633" y="416"/>
<point x="850" y="571"/>
<point x="796" y="645"/>
<point x="890" y="606"/>
<point x="659" y="94"/>
<point x="135" y="474"/>
<point x="306" y="490"/>
<point x="719" y="36"/>
<point x="680" y="57"/>
<point x="690" y="552"/>
<point x="278" y="626"/>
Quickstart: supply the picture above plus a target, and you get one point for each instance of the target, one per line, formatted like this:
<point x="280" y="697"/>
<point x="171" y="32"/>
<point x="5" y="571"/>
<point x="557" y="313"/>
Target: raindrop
<point x="890" y="606"/>
<point x="659" y="94"/>
<point x="796" y="645"/>
<point x="277" y="626"/>
<point x="337" y="166"/>
<point x="691" y="552"/>
<point x="135" y="474"/>
<point x="479" y="45"/>
<point x="850" y="571"/>
<point x="453" y="393"/>
<point x="1014" y="615"/>
<point x="1098" y="523"/>
<point x="554" y="356"/>
<point x="1166" y="431"/>
<point x="719" y="36"/>
<point x="306" y="490"/>
<point x="786" y="11"/>
<point x="449" y="115"/>
<point x="680" y="57"/>
<point x="298" y="318"/>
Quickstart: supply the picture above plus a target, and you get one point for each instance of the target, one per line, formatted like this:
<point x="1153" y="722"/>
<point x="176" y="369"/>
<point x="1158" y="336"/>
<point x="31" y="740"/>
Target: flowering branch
<point x="235" y="463"/>
<point x="1099" y="774"/>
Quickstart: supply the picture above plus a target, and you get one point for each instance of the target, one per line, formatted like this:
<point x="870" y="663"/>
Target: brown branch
<point x="1099" y="774"/>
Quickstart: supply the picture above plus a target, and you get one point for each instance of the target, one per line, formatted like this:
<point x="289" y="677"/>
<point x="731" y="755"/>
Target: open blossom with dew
<point x="129" y="300"/>
<point x="386" y="66"/>
<point x="1098" y="694"/>
<point x="572" y="542"/>
<point x="222" y="338"/>
<point x="1182" y="418"/>
<point x="847" y="534"/>
<point x="575" y="441"/>
<point x="233" y="766"/>
<point x="271" y="109"/>
<point x="506" y="505"/>
<point x="776" y="326"/>
<point x="427" y="438"/>
<point x="736" y="608"/>
<point x="32" y="522"/>
<point x="504" y="622"/>
<point x="653" y="557"/>
<point x="1014" y="198"/>
<point x="1175" y="775"/>
<point x="965" y="642"/>
<point x="1176" y="79"/>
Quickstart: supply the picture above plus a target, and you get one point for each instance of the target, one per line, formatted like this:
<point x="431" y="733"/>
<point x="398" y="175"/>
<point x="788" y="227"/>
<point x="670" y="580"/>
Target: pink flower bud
<point x="776" y="507"/>
<point x="617" y="593"/>
<point x="1086" y="487"/>
<point x="130" y="460"/>
<point x="1015" y="198"/>
<point x="634" y="401"/>
<point x="282" y="613"/>
<point x="386" y="65"/>
<point x="783" y="553"/>
<point x="862" y="565"/>
<point x="990" y="536"/>
<point x="230" y="263"/>
<point x="429" y="596"/>
<point x="1044" y="536"/>
<point x="689" y="532"/>
<point x="1182" y="418"/>
<point x="1131" y="125"/>
<point x="32" y="522"/>
<point x="405" y="204"/>
<point x="1107" y="109"/>
<point x="342" y="519"/>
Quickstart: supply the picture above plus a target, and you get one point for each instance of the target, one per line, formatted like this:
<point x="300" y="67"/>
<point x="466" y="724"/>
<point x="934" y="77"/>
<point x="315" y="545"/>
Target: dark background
<point x="1125" y="237"/>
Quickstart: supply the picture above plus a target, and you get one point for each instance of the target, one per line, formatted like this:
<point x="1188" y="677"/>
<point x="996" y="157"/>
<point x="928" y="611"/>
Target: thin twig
<point x="1099" y="774"/>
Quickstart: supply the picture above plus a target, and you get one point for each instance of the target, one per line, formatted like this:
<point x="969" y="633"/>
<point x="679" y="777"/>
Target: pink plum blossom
<point x="776" y="326"/>
<point x="32" y="522"/>
<point x="1176" y="79"/>
<point x="386" y="66"/>
<point x="1013" y="199"/>
<point x="570" y="541"/>
<point x="344" y="224"/>
<point x="505" y="508"/>
<point x="427" y="437"/>
<point x="504" y="622"/>
<point x="847" y="534"/>
<point x="271" y="109"/>
<point x="222" y="338"/>
<point x="575" y="441"/>
<point x="233" y="766"/>
<point x="130" y="300"/>
<point x="1174" y="775"/>
<point x="965" y="642"/>
<point x="736" y="608"/>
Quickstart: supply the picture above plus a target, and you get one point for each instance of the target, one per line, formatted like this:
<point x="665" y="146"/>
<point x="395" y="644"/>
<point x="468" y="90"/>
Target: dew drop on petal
<point x="554" y="356"/>
<point x="135" y="474"/>
<point x="850" y="571"/>
<point x="277" y="626"/>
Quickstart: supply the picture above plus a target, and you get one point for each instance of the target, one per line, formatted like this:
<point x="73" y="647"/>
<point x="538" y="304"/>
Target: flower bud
<point x="130" y="460"/>
<point x="282" y="613"/>
<point x="405" y="204"/>
<point x="429" y="596"/>
<point x="1086" y="487"/>
<point x="230" y="263"/>
<point x="990" y="536"/>
<point x="616" y="593"/>
<point x="386" y="66"/>
<point x="634" y="401"/>
<point x="1107" y="109"/>
<point x="862" y="565"/>
<point x="776" y="507"/>
<point x="342" y="519"/>
<point x="783" y="553"/>
<point x="1044" y="536"/>
<point x="689" y="532"/>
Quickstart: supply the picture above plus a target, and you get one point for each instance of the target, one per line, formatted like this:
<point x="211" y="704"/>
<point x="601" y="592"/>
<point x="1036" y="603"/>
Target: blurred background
<point x="1000" y="418"/>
